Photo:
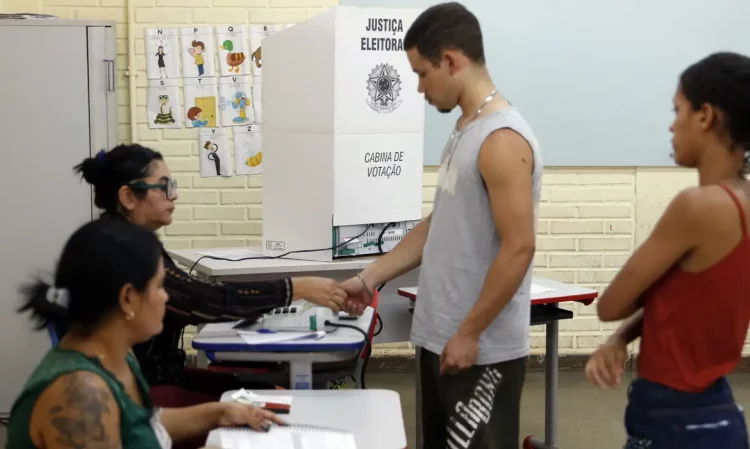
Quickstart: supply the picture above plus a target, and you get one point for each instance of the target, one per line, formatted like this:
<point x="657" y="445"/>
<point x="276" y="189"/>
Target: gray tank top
<point x="462" y="244"/>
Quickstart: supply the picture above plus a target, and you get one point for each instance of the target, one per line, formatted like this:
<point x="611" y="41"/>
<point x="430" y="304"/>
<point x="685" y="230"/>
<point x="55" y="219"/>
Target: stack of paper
<point x="287" y="437"/>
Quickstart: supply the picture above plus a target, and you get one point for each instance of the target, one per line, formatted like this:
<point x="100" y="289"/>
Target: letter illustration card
<point x="213" y="148"/>
<point x="163" y="108"/>
<point x="235" y="100"/>
<point x="248" y="150"/>
<point x="257" y="34"/>
<point x="232" y="48"/>
<point x="162" y="53"/>
<point x="201" y="103"/>
<point x="197" y="45"/>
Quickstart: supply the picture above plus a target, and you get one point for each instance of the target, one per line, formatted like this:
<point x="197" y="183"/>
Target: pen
<point x="266" y="331"/>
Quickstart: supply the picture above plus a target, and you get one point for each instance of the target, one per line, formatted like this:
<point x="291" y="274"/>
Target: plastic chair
<point x="54" y="338"/>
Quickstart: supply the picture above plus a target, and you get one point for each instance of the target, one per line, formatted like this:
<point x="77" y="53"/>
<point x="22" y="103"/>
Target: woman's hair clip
<point x="58" y="296"/>
<point x="100" y="155"/>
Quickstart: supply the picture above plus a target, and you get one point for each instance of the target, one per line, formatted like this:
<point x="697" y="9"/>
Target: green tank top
<point x="136" y="431"/>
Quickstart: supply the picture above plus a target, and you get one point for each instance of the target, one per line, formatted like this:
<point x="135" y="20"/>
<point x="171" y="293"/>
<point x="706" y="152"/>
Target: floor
<point x="589" y="418"/>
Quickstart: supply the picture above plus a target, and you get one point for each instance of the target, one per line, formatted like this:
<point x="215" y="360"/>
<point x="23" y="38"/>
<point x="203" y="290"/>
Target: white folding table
<point x="341" y="345"/>
<point x="373" y="416"/>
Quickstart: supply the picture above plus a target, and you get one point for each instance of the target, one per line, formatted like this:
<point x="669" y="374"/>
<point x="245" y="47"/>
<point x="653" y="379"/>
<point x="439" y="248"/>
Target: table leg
<point x="550" y="393"/>
<point x="300" y="375"/>
<point x="358" y="371"/>
<point x="418" y="391"/>
<point x="201" y="359"/>
<point x="550" y="408"/>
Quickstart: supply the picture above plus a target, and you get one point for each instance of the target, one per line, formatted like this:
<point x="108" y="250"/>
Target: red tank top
<point x="695" y="324"/>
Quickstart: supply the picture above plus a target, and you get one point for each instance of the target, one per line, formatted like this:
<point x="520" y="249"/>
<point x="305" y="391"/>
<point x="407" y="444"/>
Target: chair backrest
<point x="54" y="339"/>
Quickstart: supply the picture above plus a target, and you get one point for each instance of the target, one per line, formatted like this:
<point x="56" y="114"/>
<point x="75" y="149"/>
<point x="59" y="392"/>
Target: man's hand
<point x="358" y="295"/>
<point x="459" y="354"/>
<point x="320" y="291"/>
<point x="606" y="365"/>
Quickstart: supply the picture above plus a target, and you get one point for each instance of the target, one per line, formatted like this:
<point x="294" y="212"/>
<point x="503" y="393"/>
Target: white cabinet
<point x="58" y="107"/>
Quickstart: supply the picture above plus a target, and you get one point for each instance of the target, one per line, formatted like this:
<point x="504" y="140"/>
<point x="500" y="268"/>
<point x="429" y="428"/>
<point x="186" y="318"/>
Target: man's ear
<point x="454" y="59"/>
<point x="127" y="198"/>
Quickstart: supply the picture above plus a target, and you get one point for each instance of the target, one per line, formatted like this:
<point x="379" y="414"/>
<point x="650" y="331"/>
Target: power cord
<point x="382" y="233"/>
<point x="330" y="248"/>
<point x="368" y="347"/>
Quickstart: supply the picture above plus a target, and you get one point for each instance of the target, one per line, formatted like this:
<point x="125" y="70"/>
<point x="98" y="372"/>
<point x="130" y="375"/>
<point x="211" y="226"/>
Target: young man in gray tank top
<point x="472" y="315"/>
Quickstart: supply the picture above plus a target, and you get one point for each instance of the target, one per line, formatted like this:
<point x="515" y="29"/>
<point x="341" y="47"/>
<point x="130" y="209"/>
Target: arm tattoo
<point x="78" y="415"/>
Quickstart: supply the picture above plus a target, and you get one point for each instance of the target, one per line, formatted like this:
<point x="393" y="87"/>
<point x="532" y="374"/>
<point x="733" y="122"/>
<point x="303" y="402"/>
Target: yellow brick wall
<point x="590" y="218"/>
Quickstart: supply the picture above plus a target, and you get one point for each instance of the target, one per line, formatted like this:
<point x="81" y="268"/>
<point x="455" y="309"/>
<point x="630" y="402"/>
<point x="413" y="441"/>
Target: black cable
<point x="382" y="233"/>
<point x="380" y="329"/>
<point x="368" y="346"/>
<point x="330" y="248"/>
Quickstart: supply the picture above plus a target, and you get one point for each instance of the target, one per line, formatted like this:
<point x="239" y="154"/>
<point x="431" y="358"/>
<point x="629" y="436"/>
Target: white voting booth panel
<point x="343" y="132"/>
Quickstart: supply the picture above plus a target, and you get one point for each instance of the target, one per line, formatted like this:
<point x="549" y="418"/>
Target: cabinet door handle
<point x="110" y="69"/>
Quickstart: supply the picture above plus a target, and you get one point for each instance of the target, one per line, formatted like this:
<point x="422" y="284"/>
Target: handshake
<point x="351" y="296"/>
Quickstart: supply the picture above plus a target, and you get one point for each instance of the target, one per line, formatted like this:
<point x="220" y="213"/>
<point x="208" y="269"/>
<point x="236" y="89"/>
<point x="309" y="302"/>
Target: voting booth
<point x="343" y="133"/>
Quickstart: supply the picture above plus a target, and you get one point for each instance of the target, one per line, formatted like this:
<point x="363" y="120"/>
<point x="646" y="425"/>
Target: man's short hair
<point x="446" y="26"/>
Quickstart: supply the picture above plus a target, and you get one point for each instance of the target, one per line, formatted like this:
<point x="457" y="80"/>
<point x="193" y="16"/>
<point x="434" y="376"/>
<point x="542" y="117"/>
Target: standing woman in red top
<point x="686" y="290"/>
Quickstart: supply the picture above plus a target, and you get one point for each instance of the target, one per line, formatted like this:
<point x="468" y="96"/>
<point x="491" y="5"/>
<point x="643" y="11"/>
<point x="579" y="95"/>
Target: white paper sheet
<point x="257" y="338"/>
<point x="248" y="149"/>
<point x="163" y="108"/>
<point x="201" y="103"/>
<point x="213" y="147"/>
<point x="235" y="100"/>
<point x="232" y="49"/>
<point x="248" y="397"/>
<point x="162" y="53"/>
<point x="198" y="50"/>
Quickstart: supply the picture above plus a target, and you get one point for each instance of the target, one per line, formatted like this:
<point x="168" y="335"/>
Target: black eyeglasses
<point x="169" y="187"/>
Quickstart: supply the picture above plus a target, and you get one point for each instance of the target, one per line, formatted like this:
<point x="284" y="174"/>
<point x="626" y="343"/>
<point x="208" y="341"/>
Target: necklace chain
<point x="461" y="133"/>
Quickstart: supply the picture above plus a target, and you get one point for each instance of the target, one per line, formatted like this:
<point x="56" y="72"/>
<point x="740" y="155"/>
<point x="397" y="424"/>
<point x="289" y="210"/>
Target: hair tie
<point x="100" y="155"/>
<point x="58" y="296"/>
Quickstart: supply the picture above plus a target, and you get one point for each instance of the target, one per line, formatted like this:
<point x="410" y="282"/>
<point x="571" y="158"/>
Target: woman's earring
<point x="129" y="316"/>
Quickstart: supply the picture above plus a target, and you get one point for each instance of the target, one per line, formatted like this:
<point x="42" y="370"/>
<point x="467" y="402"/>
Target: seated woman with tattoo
<point x="89" y="391"/>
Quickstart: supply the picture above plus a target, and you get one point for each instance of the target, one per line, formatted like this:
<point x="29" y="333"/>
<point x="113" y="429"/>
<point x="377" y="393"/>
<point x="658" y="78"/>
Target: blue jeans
<point x="658" y="417"/>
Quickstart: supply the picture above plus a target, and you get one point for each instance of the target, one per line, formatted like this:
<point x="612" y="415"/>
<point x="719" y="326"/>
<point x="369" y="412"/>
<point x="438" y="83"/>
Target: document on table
<point x="257" y="338"/>
<point x="231" y="253"/>
<point x="536" y="289"/>
<point x="287" y="437"/>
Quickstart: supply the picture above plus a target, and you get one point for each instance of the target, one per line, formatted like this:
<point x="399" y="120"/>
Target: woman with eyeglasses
<point x="132" y="182"/>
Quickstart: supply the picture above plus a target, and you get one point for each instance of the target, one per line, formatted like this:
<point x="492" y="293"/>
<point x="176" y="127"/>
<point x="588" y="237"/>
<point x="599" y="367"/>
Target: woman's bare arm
<point x="76" y="411"/>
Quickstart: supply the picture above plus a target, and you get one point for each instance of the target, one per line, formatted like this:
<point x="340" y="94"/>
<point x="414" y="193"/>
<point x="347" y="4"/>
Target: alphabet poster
<point x="235" y="104"/>
<point x="248" y="150"/>
<point x="163" y="108"/>
<point x="162" y="53"/>
<point x="197" y="45"/>
<point x="257" y="34"/>
<point x="257" y="102"/>
<point x="201" y="105"/>
<point x="213" y="147"/>
<point x="232" y="50"/>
